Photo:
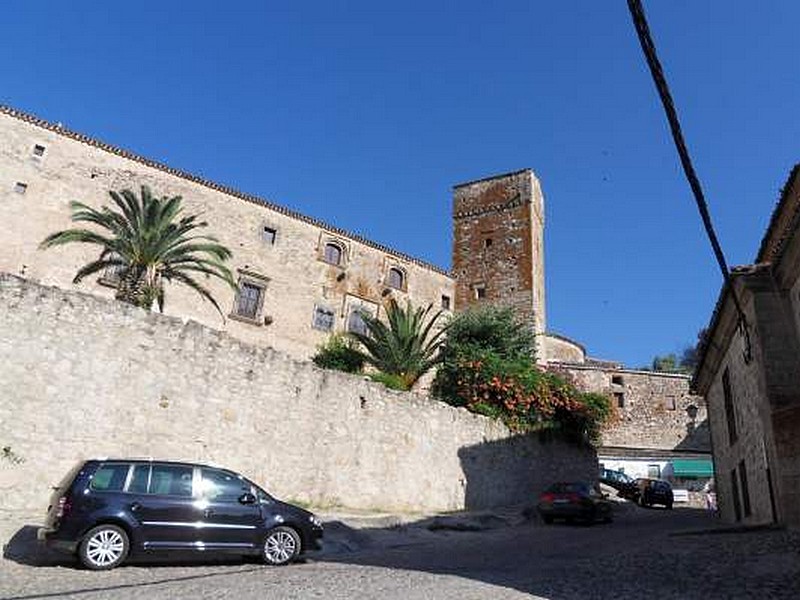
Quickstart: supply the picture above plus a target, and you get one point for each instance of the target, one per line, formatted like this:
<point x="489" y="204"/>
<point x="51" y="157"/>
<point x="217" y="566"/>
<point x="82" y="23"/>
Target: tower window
<point x="617" y="380"/>
<point x="445" y="302"/>
<point x="480" y="292"/>
<point x="487" y="242"/>
<point x="38" y="150"/>
<point x="269" y="235"/>
<point x="20" y="187"/>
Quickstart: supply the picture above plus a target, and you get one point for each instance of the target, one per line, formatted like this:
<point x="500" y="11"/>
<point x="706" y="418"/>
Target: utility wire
<point x="649" y="49"/>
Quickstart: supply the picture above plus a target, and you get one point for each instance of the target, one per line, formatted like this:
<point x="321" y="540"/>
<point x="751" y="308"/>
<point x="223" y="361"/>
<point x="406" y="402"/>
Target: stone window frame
<point x="353" y="303"/>
<point x="318" y="308"/>
<point x="344" y="249"/>
<point x="252" y="279"/>
<point x="479" y="291"/>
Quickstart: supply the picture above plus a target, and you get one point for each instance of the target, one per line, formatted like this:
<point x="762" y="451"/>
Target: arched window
<point x="333" y="254"/>
<point x="396" y="279"/>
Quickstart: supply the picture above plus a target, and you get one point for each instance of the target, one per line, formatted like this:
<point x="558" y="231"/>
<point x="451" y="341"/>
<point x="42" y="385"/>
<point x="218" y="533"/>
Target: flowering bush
<point x="481" y="371"/>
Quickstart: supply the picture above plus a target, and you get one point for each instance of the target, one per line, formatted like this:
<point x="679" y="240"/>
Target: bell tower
<point x="498" y="245"/>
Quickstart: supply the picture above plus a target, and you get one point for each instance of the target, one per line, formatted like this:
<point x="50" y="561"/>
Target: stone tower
<point x="498" y="245"/>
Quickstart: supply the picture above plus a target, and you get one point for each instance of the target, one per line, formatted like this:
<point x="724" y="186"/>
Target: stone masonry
<point x="498" y="245"/>
<point x="120" y="382"/>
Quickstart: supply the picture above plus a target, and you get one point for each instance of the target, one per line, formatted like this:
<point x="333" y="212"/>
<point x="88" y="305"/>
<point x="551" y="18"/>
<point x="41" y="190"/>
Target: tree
<point x="147" y="242"/>
<point x="406" y="348"/>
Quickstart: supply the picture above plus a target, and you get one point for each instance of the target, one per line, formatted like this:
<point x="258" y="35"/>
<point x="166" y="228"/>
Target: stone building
<point x="749" y="373"/>
<point x="300" y="279"/>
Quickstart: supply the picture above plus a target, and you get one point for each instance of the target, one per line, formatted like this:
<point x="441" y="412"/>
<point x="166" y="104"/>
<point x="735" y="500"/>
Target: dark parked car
<point x="574" y="500"/>
<point x="106" y="510"/>
<point x="625" y="485"/>
<point x="655" y="491"/>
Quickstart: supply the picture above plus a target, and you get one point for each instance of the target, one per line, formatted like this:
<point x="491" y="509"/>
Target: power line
<point x="649" y="49"/>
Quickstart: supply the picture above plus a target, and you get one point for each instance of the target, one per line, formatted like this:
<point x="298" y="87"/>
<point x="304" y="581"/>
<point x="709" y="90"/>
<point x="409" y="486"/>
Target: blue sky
<point x="364" y="114"/>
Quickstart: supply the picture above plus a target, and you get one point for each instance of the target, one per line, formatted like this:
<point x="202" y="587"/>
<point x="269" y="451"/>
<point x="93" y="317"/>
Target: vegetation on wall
<point x="340" y="353"/>
<point x="488" y="367"/>
<point x="145" y="241"/>
<point x="685" y="363"/>
<point x="405" y="347"/>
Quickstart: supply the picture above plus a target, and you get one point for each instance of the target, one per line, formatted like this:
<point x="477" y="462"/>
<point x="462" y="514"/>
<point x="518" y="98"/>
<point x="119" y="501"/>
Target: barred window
<point x="323" y="318"/>
<point x="356" y="323"/>
<point x="249" y="300"/>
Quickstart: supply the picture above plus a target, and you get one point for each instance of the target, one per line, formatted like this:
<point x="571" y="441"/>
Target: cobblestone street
<point x="644" y="553"/>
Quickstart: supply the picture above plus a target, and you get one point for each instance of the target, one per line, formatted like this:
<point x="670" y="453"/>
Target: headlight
<point x="315" y="521"/>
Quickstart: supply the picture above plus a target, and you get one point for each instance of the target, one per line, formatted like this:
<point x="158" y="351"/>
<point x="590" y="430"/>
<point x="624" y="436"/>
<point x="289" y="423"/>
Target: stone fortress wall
<point x="120" y="382"/>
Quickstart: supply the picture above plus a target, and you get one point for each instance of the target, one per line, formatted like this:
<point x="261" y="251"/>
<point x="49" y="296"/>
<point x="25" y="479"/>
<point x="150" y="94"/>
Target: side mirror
<point x="247" y="498"/>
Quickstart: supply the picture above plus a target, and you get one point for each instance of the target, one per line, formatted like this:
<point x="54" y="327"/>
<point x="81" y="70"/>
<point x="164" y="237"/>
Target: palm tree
<point x="146" y="242"/>
<point x="407" y="348"/>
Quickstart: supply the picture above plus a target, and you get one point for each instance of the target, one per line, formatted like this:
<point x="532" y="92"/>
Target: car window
<point x="171" y="480"/>
<point x="140" y="479"/>
<point x="110" y="477"/>
<point x="222" y="486"/>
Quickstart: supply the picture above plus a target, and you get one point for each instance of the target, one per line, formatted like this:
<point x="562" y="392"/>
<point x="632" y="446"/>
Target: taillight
<point x="547" y="497"/>
<point x="64" y="506"/>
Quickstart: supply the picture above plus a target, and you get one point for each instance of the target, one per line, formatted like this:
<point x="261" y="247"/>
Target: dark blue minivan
<point x="105" y="510"/>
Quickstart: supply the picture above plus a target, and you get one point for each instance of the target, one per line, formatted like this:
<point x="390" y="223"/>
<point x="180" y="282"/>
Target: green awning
<point x="692" y="468"/>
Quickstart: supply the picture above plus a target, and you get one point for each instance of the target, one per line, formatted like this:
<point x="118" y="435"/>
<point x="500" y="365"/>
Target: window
<point x="487" y="243"/>
<point x="730" y="415"/>
<point x="332" y="254"/>
<point x="38" y="150"/>
<point x="670" y="403"/>
<point x="222" y="486"/>
<point x="249" y="301"/>
<point x="654" y="471"/>
<point x="171" y="480"/>
<point x="617" y="380"/>
<point x="744" y="488"/>
<point x="737" y="507"/>
<point x="445" y="302"/>
<point x="268" y="234"/>
<point x="323" y="318"/>
<point x="356" y="323"/>
<point x="620" y="398"/>
<point x="140" y="480"/>
<point x="112" y="275"/>
<point x="110" y="478"/>
<point x="396" y="279"/>
<point x="20" y="187"/>
<point x="480" y="291"/>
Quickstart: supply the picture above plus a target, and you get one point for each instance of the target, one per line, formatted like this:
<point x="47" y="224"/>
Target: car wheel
<point x="104" y="547"/>
<point x="281" y="546"/>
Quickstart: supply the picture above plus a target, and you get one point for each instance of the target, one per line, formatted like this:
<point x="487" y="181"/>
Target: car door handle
<point x="135" y="506"/>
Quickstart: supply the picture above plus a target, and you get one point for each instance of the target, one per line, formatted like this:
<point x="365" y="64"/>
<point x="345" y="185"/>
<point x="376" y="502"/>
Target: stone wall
<point x="83" y="376"/>
<point x="652" y="410"/>
<point x="54" y="167"/>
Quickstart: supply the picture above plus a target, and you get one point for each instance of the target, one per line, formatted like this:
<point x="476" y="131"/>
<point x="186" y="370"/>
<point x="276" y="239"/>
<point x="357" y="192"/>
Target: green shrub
<point x="488" y="367"/>
<point x="340" y="353"/>
<point x="390" y="380"/>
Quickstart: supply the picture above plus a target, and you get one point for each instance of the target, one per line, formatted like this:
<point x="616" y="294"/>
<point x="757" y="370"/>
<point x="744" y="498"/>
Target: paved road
<point x="637" y="556"/>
